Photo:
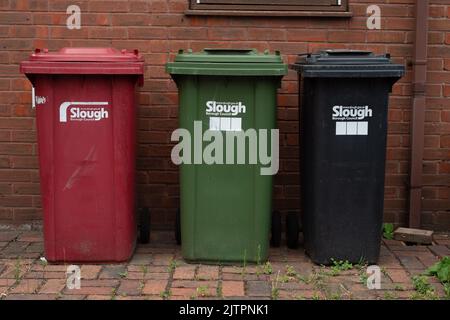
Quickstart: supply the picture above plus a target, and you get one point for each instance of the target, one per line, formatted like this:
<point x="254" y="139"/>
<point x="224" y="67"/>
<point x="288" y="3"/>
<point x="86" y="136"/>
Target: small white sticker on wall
<point x="225" y="124"/>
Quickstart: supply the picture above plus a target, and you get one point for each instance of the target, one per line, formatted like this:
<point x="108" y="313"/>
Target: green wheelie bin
<point x="226" y="203"/>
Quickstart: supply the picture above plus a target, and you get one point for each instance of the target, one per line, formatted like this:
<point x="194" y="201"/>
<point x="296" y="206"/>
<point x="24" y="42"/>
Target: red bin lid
<point x="86" y="55"/>
<point x="84" y="61"/>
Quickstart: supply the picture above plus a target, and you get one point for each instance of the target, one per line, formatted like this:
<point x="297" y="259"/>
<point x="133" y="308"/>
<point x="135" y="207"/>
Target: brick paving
<point x="158" y="272"/>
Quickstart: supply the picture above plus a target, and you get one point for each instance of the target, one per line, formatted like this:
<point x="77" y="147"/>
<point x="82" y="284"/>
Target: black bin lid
<point x="347" y="64"/>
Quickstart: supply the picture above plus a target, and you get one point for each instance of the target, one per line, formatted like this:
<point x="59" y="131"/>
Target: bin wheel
<point x="144" y="226"/>
<point x="178" y="227"/>
<point x="275" y="240"/>
<point x="292" y="230"/>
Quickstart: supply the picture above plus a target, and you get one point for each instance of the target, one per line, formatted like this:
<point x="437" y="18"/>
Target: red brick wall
<point x="158" y="29"/>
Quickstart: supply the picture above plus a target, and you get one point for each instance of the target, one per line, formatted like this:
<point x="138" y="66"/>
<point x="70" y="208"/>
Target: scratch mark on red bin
<point x="86" y="166"/>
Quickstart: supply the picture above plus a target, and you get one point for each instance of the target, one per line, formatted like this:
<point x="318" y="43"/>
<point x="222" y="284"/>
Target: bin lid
<point x="84" y="61"/>
<point x="347" y="64"/>
<point x="86" y="55"/>
<point x="218" y="61"/>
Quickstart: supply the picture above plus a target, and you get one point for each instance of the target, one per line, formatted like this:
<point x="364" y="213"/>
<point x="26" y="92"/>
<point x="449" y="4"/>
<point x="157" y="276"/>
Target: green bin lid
<point x="236" y="62"/>
<point x="347" y="64"/>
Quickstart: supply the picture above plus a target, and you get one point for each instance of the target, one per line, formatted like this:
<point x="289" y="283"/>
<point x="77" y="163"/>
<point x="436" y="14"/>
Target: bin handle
<point x="347" y="52"/>
<point x="228" y="51"/>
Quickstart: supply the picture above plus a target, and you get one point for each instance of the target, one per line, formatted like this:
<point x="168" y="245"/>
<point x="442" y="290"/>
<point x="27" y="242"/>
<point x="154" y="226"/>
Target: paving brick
<point x="303" y="268"/>
<point x="130" y="287"/>
<point x="30" y="297"/>
<point x="246" y="298"/>
<point x="398" y="276"/>
<point x="141" y="259"/>
<point x="14" y="271"/>
<point x="258" y="288"/>
<point x="395" y="294"/>
<point x="14" y="249"/>
<point x="45" y="275"/>
<point x="293" y="285"/>
<point x="204" y="292"/>
<point x="154" y="287"/>
<point x="300" y="294"/>
<point x="147" y="276"/>
<point x="252" y="269"/>
<point x="291" y="295"/>
<point x="390" y="262"/>
<point x="53" y="286"/>
<point x="100" y="283"/>
<point x="207" y="273"/>
<point x="409" y="253"/>
<point x="193" y="284"/>
<point x="49" y="268"/>
<point x="410" y="262"/>
<point x="428" y="261"/>
<point x="294" y="256"/>
<point x="71" y="297"/>
<point x="37" y="247"/>
<point x="409" y="248"/>
<point x="7" y="282"/>
<point x="99" y="297"/>
<point x="185" y="293"/>
<point x="147" y="269"/>
<point x="245" y="276"/>
<point x="384" y="251"/>
<point x="27" y="286"/>
<point x="31" y="236"/>
<point x="363" y="295"/>
<point x="92" y="271"/>
<point x="232" y="269"/>
<point x="443" y="242"/>
<point x="415" y="272"/>
<point x="89" y="291"/>
<point x="440" y="250"/>
<point x="233" y="289"/>
<point x="138" y="298"/>
<point x="6" y="236"/>
<point x="184" y="273"/>
<point x="30" y="255"/>
<point x="54" y="275"/>
<point x="113" y="272"/>
<point x="162" y="259"/>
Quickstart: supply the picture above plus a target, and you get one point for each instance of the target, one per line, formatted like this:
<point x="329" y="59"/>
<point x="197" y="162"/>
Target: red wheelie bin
<point x="85" y="117"/>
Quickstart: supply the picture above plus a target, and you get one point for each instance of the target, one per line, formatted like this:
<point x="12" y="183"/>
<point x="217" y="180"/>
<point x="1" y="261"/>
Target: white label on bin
<point x="216" y="108"/>
<point x="225" y="124"/>
<point x="36" y="100"/>
<point x="83" y="111"/>
<point x="348" y="120"/>
<point x="223" y="115"/>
